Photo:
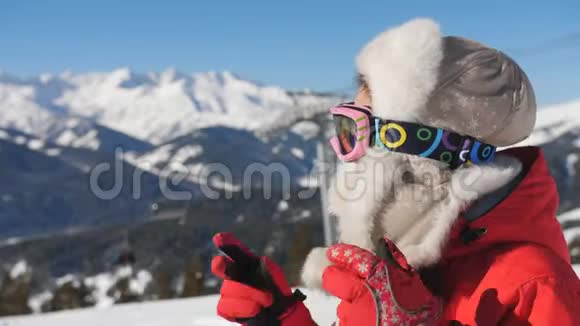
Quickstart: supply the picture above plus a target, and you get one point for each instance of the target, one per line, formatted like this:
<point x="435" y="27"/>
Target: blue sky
<point x="294" y="44"/>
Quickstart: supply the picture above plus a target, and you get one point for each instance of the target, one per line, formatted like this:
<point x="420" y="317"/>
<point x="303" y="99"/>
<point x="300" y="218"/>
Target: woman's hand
<point x="378" y="290"/>
<point x="255" y="291"/>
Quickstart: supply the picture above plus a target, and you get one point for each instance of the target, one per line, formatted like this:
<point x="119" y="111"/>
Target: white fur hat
<point x="416" y="75"/>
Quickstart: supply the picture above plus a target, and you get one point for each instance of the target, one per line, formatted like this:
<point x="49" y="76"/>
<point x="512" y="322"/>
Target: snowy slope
<point x="154" y="107"/>
<point x="184" y="312"/>
<point x="74" y="133"/>
<point x="45" y="188"/>
<point x="158" y="119"/>
<point x="201" y="150"/>
<point x="557" y="131"/>
<point x="554" y="121"/>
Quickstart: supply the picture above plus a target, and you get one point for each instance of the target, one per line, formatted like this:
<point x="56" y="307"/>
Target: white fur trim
<point x="401" y="67"/>
<point x="313" y="268"/>
<point x="356" y="193"/>
<point x="424" y="242"/>
<point x="417" y="217"/>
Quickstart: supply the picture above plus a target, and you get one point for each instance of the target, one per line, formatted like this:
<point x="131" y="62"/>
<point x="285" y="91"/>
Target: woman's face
<point x="363" y="96"/>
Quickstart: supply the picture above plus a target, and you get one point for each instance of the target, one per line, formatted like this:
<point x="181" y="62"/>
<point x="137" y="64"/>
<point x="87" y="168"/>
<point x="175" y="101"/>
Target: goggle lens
<point x="346" y="132"/>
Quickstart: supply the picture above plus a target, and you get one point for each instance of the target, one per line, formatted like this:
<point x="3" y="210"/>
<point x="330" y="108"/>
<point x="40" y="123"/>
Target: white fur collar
<point x="371" y="199"/>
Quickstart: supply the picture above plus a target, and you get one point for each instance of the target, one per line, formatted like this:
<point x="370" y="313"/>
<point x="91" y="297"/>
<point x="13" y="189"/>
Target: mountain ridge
<point x="151" y="107"/>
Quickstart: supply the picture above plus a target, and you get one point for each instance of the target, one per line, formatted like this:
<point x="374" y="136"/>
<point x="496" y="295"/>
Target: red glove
<point x="255" y="291"/>
<point x="378" y="291"/>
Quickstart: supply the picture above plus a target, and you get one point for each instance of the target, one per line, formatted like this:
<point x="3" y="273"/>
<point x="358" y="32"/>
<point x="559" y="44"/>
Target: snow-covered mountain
<point x="555" y="121"/>
<point x="200" y="151"/>
<point x="557" y="131"/>
<point x="73" y="122"/>
<point x="153" y="107"/>
<point x="45" y="188"/>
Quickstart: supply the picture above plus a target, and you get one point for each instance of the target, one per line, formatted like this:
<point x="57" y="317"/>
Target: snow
<point x="69" y="278"/>
<point x="571" y="234"/>
<point x="18" y="107"/>
<point x="276" y="149"/>
<point x="223" y="184"/>
<point x="21" y="140"/>
<point x="309" y="181"/>
<point x="306" y="129"/>
<point x="35" y="144"/>
<point x="155" y="107"/>
<point x="553" y="122"/>
<point x="140" y="282"/>
<point x="569" y="215"/>
<point x="67" y="137"/>
<point x="4" y="135"/>
<point x="240" y="219"/>
<point x="181" y="312"/>
<point x="19" y="269"/>
<point x="297" y="152"/>
<point x="102" y="283"/>
<point x="53" y="152"/>
<point x="36" y="301"/>
<point x="304" y="214"/>
<point x="283" y="206"/>
<point x="187" y="152"/>
<point x="89" y="140"/>
<point x="571" y="161"/>
<point x="72" y="123"/>
<point x="160" y="154"/>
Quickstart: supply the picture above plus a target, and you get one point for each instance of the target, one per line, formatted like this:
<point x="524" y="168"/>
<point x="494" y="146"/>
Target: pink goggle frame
<point x="360" y="115"/>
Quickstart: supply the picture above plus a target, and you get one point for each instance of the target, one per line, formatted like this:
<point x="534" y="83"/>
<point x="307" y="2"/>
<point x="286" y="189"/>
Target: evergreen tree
<point x="70" y="295"/>
<point x="299" y="248"/>
<point x="162" y="284"/>
<point x="193" y="278"/>
<point x="14" y="293"/>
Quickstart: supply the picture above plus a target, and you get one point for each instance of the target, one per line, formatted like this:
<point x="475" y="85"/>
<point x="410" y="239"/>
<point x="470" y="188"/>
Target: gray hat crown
<point x="483" y="93"/>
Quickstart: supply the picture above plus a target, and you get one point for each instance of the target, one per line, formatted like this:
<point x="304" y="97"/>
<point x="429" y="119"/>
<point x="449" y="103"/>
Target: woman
<point x="478" y="238"/>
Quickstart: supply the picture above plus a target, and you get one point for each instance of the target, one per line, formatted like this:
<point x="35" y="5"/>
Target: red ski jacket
<point x="517" y="272"/>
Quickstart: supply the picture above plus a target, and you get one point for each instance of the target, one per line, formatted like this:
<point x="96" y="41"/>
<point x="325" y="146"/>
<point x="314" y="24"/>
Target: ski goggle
<point x="357" y="130"/>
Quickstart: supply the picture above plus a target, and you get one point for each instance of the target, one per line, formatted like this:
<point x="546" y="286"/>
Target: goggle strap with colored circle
<point x="430" y="142"/>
